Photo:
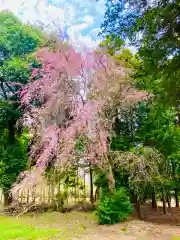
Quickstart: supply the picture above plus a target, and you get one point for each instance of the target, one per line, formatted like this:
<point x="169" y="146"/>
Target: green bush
<point x="114" y="208"/>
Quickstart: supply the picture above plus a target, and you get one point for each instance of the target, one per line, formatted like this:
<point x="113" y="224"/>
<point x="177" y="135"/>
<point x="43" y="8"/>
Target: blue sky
<point x="82" y="18"/>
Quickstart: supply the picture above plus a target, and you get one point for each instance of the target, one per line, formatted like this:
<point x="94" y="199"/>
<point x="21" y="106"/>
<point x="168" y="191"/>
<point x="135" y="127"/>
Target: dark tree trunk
<point x="7" y="198"/>
<point x="154" y="202"/>
<point x="175" y="190"/>
<point x="133" y="198"/>
<point x="97" y="194"/>
<point x="164" y="202"/>
<point x="174" y="165"/>
<point x="169" y="200"/>
<point x="176" y="197"/>
<point x="91" y="184"/>
<point x="138" y="207"/>
<point x="11" y="128"/>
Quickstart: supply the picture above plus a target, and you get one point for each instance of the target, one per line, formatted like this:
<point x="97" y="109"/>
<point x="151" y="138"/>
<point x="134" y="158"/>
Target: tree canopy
<point x="154" y="29"/>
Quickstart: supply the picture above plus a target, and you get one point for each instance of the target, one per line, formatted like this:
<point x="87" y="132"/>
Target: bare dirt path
<point x="156" y="226"/>
<point x="133" y="230"/>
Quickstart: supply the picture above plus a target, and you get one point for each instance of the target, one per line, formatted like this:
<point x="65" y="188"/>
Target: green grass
<point x="44" y="227"/>
<point x="12" y="228"/>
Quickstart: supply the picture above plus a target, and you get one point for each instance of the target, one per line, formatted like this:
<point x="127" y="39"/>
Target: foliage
<point x="101" y="182"/>
<point x="114" y="208"/>
<point x="13" y="158"/>
<point x="60" y="199"/>
<point x="154" y="28"/>
<point x="17" y="41"/>
<point x="111" y="44"/>
<point x="14" y="70"/>
<point x="146" y="127"/>
<point x="161" y="130"/>
<point x="153" y="128"/>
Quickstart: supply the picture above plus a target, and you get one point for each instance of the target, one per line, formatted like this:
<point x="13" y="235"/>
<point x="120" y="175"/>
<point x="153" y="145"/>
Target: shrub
<point x="114" y="208"/>
<point x="60" y="199"/>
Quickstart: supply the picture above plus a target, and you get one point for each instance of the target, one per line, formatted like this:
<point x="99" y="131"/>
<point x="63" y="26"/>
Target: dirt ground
<point x="156" y="226"/>
<point x="133" y="230"/>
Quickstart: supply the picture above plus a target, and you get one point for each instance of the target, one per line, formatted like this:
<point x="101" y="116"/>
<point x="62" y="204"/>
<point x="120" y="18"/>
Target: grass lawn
<point x="15" y="229"/>
<point x="44" y="227"/>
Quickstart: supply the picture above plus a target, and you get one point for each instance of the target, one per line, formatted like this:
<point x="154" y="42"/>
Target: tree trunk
<point x="11" y="127"/>
<point x="27" y="199"/>
<point x="133" y="198"/>
<point x="84" y="176"/>
<point x="34" y="195"/>
<point x="96" y="195"/>
<point x="76" y="185"/>
<point x="164" y="201"/>
<point x="49" y="193"/>
<point x="59" y="183"/>
<point x="111" y="181"/>
<point x="175" y="190"/>
<point x="52" y="193"/>
<point x="138" y="207"/>
<point x="7" y="198"/>
<point x="154" y="202"/>
<point x="91" y="184"/>
<point x="110" y="177"/>
<point x="176" y="197"/>
<point x="169" y="200"/>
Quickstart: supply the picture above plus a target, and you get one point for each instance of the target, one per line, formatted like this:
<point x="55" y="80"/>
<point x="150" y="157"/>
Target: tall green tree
<point x="150" y="125"/>
<point x="18" y="42"/>
<point x="154" y="28"/>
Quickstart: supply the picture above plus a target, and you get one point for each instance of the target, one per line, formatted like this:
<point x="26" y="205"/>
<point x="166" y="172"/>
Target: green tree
<point x="151" y="125"/>
<point x="155" y="30"/>
<point x="18" y="42"/>
<point x="13" y="160"/>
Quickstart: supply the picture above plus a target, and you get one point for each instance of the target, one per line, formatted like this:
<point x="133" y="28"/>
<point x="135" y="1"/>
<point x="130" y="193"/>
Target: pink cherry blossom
<point x="74" y="93"/>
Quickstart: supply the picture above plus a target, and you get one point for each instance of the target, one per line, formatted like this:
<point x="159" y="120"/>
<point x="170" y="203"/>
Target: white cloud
<point x="76" y="15"/>
<point x="88" y="19"/>
<point x="79" y="27"/>
<point x="80" y="41"/>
